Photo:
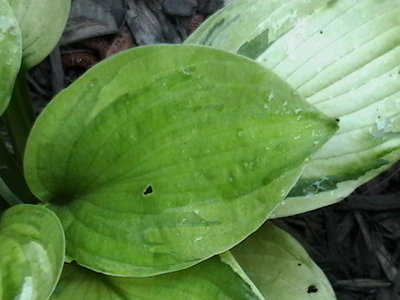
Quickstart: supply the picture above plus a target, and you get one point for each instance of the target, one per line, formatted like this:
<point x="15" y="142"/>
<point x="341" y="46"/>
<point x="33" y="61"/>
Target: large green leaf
<point x="42" y="23"/>
<point x="10" y="53"/>
<point x="344" y="58"/>
<point x="162" y="156"/>
<point x="211" y="279"/>
<point x="280" y="268"/>
<point x="31" y="253"/>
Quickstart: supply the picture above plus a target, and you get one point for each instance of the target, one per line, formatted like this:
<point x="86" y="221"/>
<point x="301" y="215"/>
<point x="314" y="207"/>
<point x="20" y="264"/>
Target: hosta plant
<point x="155" y="172"/>
<point x="147" y="178"/>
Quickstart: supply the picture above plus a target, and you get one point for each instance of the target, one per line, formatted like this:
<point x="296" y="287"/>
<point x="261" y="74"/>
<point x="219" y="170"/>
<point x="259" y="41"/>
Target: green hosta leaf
<point x="42" y="23"/>
<point x="10" y="53"/>
<point x="344" y="58"/>
<point x="31" y="252"/>
<point x="279" y="266"/>
<point x="211" y="279"/>
<point x="167" y="152"/>
<point x="1" y="286"/>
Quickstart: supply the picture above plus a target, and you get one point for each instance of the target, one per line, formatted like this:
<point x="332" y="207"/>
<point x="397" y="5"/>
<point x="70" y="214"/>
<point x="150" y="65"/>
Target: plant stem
<point x="8" y="195"/>
<point x="19" y="116"/>
<point x="12" y="178"/>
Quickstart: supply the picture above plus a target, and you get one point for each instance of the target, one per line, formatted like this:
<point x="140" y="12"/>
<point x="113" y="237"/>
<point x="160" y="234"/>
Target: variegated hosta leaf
<point x="31" y="252"/>
<point x="211" y="279"/>
<point x="343" y="56"/>
<point x="10" y="53"/>
<point x="42" y="23"/>
<point x="280" y="268"/>
<point x="161" y="157"/>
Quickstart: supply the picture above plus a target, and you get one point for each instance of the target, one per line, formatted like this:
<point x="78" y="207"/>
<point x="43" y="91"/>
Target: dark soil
<point x="355" y="242"/>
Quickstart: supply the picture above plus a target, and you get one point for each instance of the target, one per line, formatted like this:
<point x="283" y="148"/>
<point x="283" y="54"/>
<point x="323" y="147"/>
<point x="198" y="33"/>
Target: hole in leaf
<point x="148" y="190"/>
<point x="312" y="289"/>
<point x="321" y="32"/>
<point x="299" y="264"/>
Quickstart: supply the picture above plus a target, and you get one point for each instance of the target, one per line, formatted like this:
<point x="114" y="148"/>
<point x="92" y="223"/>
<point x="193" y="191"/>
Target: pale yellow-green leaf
<point x="10" y="53"/>
<point x="343" y="57"/>
<point x="280" y="268"/>
<point x="31" y="252"/>
<point x="42" y="23"/>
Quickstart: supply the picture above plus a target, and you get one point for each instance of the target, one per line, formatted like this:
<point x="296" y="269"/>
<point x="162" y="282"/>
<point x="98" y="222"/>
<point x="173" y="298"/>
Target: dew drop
<point x="271" y="96"/>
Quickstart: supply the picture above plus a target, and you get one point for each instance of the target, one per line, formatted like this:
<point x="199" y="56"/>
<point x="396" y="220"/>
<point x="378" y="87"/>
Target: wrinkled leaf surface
<point x="344" y="58"/>
<point x="162" y="156"/>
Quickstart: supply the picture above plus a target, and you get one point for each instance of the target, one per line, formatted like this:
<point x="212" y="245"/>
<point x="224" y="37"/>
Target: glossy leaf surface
<point x="341" y="56"/>
<point x="10" y="53"/>
<point x="211" y="279"/>
<point x="31" y="253"/>
<point x="168" y="152"/>
<point x="280" y="268"/>
<point x="42" y="23"/>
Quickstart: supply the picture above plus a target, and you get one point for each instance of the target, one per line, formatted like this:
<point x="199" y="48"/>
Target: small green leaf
<point x="343" y="57"/>
<point x="211" y="279"/>
<point x="280" y="268"/>
<point x="31" y="253"/>
<point x="10" y="53"/>
<point x="42" y="23"/>
<point x="168" y="152"/>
